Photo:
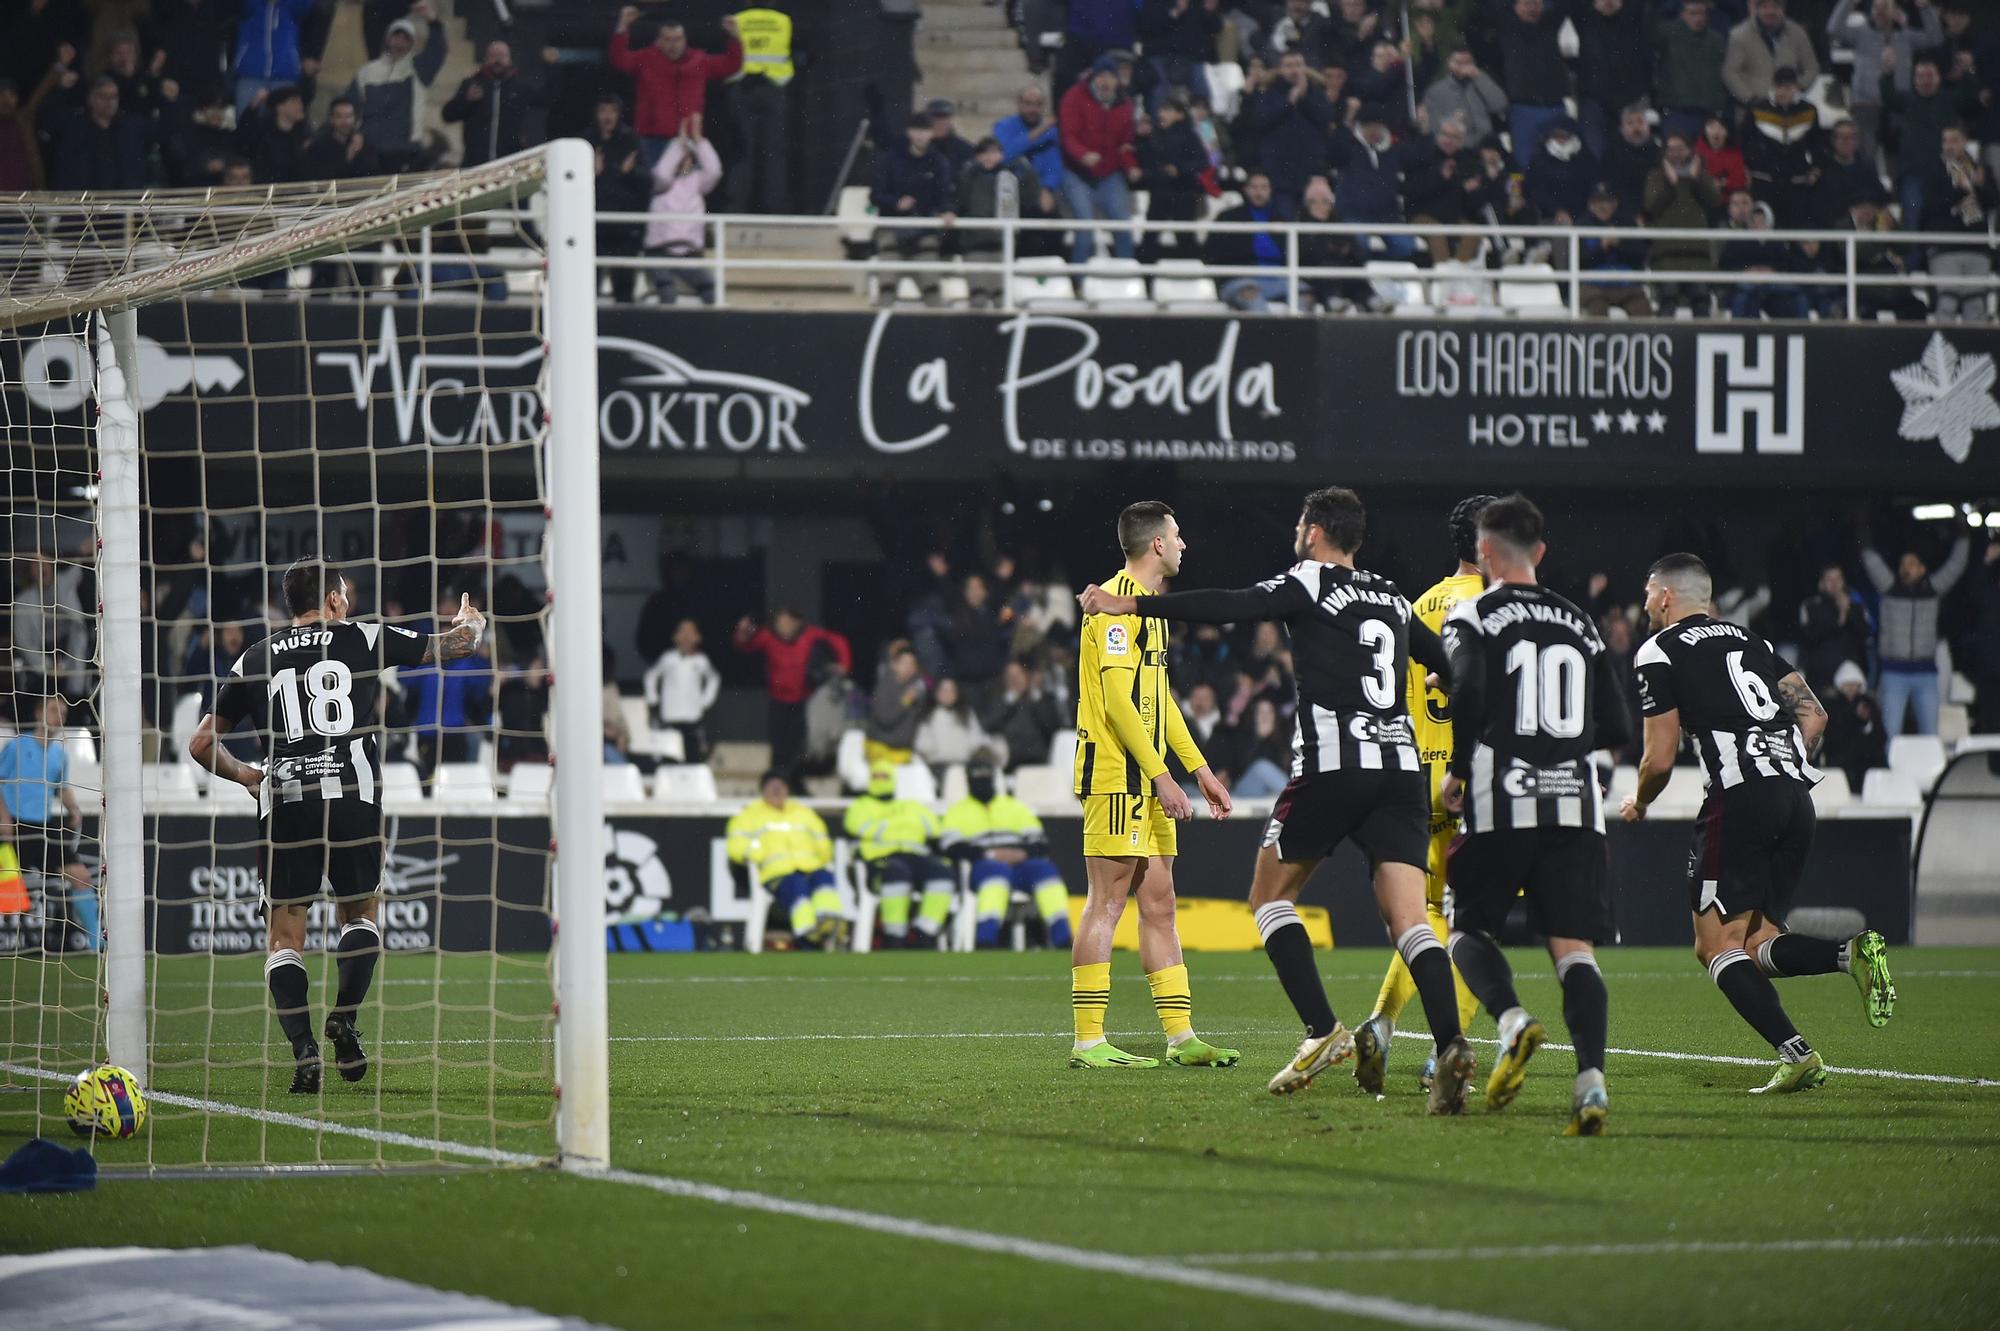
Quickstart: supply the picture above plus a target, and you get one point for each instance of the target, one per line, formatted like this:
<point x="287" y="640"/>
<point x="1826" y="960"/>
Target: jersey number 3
<point x="329" y="704"/>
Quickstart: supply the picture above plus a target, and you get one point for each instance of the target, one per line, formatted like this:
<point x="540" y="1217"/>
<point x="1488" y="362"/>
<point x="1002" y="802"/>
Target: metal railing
<point x="1563" y="269"/>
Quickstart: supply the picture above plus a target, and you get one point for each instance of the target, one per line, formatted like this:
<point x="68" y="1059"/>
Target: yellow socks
<point x="1172" y="1000"/>
<point x="1089" y="996"/>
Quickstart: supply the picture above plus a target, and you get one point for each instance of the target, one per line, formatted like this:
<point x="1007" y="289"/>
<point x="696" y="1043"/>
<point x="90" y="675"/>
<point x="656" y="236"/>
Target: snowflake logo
<point x="1947" y="397"/>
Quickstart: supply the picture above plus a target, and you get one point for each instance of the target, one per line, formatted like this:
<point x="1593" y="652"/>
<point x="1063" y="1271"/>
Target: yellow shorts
<point x="1444" y="829"/>
<point x="1123" y="825"/>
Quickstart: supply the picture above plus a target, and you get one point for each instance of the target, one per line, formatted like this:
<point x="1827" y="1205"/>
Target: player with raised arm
<point x="1355" y="773"/>
<point x="1756" y="723"/>
<point x="1430" y="722"/>
<point x="1533" y="696"/>
<point x="310" y="691"/>
<point x="1126" y="719"/>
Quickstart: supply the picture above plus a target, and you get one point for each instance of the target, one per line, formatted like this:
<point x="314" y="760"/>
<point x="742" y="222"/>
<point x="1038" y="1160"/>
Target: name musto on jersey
<point x="310" y="692"/>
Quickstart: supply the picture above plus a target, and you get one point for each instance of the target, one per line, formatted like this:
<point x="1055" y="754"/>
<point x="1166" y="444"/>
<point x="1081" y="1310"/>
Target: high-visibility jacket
<point x="890" y="827"/>
<point x="779" y="841"/>
<point x="1004" y="823"/>
<point x="766" y="35"/>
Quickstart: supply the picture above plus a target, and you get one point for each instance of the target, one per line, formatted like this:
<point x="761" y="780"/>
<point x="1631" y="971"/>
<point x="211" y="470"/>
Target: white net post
<point x="583" y="1119"/>
<point x="122" y="882"/>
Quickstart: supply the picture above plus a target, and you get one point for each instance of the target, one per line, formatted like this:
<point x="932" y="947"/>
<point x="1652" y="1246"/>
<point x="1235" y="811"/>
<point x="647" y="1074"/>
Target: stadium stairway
<point x="967" y="53"/>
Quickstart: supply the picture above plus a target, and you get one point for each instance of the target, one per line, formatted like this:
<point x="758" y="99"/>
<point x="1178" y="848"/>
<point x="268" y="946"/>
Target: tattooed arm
<point x="461" y="639"/>
<point x="1796" y="697"/>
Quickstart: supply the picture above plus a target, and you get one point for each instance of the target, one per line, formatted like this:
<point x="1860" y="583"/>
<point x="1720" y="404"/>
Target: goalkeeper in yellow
<point x="1430" y="718"/>
<point x="1126" y="719"/>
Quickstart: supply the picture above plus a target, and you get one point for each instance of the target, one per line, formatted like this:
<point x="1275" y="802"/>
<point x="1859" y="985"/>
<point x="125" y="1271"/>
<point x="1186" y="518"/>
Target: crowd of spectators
<point x="1618" y="113"/>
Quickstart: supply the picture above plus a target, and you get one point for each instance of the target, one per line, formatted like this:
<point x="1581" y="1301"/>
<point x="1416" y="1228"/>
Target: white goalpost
<point x="196" y="388"/>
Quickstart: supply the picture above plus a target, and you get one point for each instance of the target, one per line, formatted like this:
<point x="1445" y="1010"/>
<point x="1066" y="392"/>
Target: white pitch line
<point x="1894" y="1243"/>
<point x="1319" y="1298"/>
<point x="1736" y="1060"/>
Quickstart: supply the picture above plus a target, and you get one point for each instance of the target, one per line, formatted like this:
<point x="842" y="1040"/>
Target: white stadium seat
<point x="1062" y="751"/>
<point x="161" y="781"/>
<point x="463" y="783"/>
<point x="1683" y="794"/>
<point x="851" y="761"/>
<point x="402" y="787"/>
<point x="1036" y="287"/>
<point x="1542" y="297"/>
<point x="915" y="782"/>
<point x="529" y="782"/>
<point x="1115" y="285"/>
<point x="690" y="784"/>
<point x="1832" y="792"/>
<point x="622" y="784"/>
<point x="1041" y="787"/>
<point x="1919" y="757"/>
<point x="1885" y="785"/>
<point x="954" y="786"/>
<point x="1181" y="285"/>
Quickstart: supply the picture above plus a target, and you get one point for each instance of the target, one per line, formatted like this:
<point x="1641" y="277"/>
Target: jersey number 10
<point x="328" y="707"/>
<point x="1548" y="694"/>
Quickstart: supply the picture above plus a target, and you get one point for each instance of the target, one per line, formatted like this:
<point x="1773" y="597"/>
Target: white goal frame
<point x="565" y="174"/>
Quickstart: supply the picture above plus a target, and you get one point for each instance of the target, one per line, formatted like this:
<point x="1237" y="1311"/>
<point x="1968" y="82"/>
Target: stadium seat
<point x="1683" y="795"/>
<point x="857" y="218"/>
<point x="464" y="783"/>
<point x="187" y="715"/>
<point x="1832" y="793"/>
<point x="1919" y="757"/>
<point x="1040" y="786"/>
<point x="80" y="745"/>
<point x="953" y="787"/>
<point x="692" y="783"/>
<point x="622" y="784"/>
<point x="1460" y="287"/>
<point x="164" y="782"/>
<point x="1062" y="751"/>
<point x="638" y="722"/>
<point x="1115" y="285"/>
<point x="1036" y="287"/>
<point x="915" y="782"/>
<point x="402" y="787"/>
<point x="529" y="782"/>
<point x="851" y="761"/>
<point x="1624" y="781"/>
<point x="228" y="797"/>
<point x="1181" y="286"/>
<point x="1398" y="282"/>
<point x="1885" y="785"/>
<point x="87" y="779"/>
<point x="1535" y="298"/>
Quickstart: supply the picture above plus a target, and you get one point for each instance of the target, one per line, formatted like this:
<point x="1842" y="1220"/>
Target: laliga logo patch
<point x="1116" y="641"/>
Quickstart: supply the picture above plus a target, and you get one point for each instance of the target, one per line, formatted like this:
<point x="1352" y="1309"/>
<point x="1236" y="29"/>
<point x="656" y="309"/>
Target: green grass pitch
<point x="932" y="1089"/>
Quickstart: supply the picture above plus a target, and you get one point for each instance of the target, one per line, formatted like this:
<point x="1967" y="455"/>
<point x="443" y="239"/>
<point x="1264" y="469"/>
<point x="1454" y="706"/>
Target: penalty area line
<point x="1318" y="1298"/>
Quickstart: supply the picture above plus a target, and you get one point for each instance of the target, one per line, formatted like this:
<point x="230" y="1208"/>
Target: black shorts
<point x="46" y="848"/>
<point x="1560" y="870"/>
<point x="1384" y="811"/>
<point x="310" y="842"/>
<point x="1750" y="848"/>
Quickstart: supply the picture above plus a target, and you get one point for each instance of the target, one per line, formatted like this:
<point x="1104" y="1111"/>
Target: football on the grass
<point x="105" y="1101"/>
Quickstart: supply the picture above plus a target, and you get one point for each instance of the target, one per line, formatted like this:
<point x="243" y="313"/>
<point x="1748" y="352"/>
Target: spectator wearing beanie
<point x="1856" y="740"/>
<point x="1098" y="158"/>
<point x="392" y="91"/>
<point x="1173" y="165"/>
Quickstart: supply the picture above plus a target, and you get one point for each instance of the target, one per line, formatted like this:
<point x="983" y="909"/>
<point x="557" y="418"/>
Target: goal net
<point x="198" y="389"/>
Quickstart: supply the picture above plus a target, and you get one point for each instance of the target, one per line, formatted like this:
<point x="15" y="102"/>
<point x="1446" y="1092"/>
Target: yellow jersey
<point x="1430" y="709"/>
<point x="1126" y="718"/>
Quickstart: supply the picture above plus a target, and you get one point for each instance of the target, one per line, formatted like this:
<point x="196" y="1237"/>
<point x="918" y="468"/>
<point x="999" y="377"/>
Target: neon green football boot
<point x="1803" y="1075"/>
<point x="1868" y="962"/>
<point x="1108" y="1055"/>
<point x="1195" y="1052"/>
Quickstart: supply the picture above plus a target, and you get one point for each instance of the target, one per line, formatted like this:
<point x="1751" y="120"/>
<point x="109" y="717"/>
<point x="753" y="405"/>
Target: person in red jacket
<point x="670" y="79"/>
<point x="1095" y="121"/>
<point x="788" y="647"/>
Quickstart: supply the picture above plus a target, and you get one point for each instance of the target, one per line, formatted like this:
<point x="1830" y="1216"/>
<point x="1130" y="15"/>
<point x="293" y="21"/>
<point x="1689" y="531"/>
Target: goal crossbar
<point x="79" y="253"/>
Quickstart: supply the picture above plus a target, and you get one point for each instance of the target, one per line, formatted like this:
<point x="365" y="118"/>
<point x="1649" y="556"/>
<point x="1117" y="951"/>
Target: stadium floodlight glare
<point x="1934" y="512"/>
<point x="183" y="420"/>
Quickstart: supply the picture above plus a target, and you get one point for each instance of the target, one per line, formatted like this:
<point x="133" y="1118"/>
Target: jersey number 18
<point x="328" y="707"/>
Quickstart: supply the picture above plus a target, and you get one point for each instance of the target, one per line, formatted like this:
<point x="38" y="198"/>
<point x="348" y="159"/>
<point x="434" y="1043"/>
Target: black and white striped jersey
<point x="311" y="691"/>
<point x="1533" y="697"/>
<point x="1352" y="640"/>
<point x="1723" y="680"/>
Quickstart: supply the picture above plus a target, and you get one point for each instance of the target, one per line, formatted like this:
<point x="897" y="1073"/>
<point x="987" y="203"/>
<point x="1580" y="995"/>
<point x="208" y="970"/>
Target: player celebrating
<point x="1430" y="721"/>
<point x="1355" y="773"/>
<point x="1124" y="712"/>
<point x="1533" y="696"/>
<point x="311" y="691"/>
<point x="1755" y="722"/>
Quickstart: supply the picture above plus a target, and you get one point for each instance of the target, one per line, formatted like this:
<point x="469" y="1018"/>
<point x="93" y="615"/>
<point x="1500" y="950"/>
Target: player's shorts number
<point x="1549" y="689"/>
<point x="329" y="701"/>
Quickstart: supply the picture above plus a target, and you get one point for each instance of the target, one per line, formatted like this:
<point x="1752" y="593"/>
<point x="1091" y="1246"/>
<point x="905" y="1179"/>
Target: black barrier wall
<point x="474" y="884"/>
<point x="787" y="394"/>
